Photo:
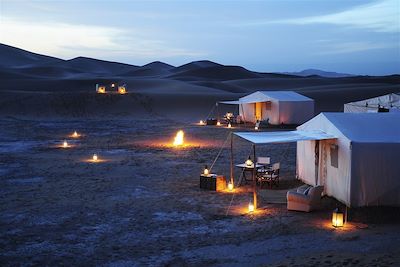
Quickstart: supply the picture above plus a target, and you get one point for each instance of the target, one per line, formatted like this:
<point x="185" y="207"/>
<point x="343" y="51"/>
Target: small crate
<point x="212" y="182"/>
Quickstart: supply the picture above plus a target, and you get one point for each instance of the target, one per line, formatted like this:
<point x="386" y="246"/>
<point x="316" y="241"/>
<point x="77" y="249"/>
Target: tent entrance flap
<point x="284" y="136"/>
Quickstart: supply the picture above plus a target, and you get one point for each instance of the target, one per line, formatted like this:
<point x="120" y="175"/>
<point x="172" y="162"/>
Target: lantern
<point x="113" y="85"/>
<point x="75" y="134"/>
<point x="65" y="144"/>
<point x="101" y="90"/>
<point x="256" y="128"/>
<point x="249" y="163"/>
<point x="206" y="171"/>
<point x="95" y="158"/>
<point x="251" y="207"/>
<point x="229" y="125"/>
<point x="337" y="218"/>
<point x="178" y="141"/>
<point x="121" y="90"/>
<point x="201" y="122"/>
<point x="230" y="186"/>
<point x="218" y="123"/>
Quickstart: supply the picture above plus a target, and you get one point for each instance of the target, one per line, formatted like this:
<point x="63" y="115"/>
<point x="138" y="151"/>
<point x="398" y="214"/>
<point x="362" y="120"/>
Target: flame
<point x="178" y="141"/>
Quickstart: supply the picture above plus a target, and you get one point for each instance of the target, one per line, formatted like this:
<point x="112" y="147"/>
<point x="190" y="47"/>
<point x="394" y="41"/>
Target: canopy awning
<point x="283" y="136"/>
<point x="233" y="102"/>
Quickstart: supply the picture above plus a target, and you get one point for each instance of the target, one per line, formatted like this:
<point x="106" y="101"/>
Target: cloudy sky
<point x="360" y="37"/>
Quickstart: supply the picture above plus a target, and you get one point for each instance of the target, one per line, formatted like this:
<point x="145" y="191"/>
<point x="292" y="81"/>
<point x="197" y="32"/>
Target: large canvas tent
<point x="388" y="103"/>
<point x="359" y="168"/>
<point x="278" y="107"/>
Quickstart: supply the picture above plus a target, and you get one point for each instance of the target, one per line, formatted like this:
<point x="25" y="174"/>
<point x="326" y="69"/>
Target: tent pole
<point x="231" y="158"/>
<point x="217" y="111"/>
<point x="254" y="178"/>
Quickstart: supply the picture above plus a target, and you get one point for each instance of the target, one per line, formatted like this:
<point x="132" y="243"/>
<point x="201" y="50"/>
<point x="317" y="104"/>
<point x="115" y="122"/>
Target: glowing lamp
<point x="95" y="158"/>
<point x="251" y="207"/>
<point x="249" y="162"/>
<point x="178" y="141"/>
<point x="218" y="123"/>
<point x="121" y="90"/>
<point x="113" y="85"/>
<point x="206" y="170"/>
<point x="229" y="125"/>
<point x="337" y="218"/>
<point x="75" y="134"/>
<point x="65" y="144"/>
<point x="230" y="186"/>
<point x="101" y="90"/>
<point x="256" y="128"/>
<point x="201" y="122"/>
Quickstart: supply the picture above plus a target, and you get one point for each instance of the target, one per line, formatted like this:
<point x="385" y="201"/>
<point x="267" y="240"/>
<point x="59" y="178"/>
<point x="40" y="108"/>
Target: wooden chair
<point x="269" y="176"/>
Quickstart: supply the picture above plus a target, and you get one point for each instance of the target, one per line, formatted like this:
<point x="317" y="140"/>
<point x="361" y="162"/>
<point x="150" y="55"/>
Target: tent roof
<point x="283" y="136"/>
<point x="267" y="96"/>
<point x="367" y="127"/>
<point x="389" y="100"/>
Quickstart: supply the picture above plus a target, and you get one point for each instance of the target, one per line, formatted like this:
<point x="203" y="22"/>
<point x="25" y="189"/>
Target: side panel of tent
<point x="375" y="174"/>
<point x="247" y="112"/>
<point x="295" y="112"/>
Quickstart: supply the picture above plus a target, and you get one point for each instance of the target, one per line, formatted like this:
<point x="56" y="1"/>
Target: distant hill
<point x="196" y="65"/>
<point x="322" y="73"/>
<point x="12" y="57"/>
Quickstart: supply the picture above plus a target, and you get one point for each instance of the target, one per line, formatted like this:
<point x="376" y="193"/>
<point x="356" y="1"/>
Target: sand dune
<point x="25" y="75"/>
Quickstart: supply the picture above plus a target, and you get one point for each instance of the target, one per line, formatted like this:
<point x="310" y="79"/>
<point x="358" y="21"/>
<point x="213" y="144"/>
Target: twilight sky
<point x="359" y="37"/>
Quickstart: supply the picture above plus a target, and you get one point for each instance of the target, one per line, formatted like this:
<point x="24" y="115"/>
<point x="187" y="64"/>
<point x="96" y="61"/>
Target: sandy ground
<point x="141" y="205"/>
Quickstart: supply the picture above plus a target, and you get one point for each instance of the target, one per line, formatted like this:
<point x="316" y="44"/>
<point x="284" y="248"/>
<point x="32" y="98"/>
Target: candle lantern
<point x="65" y="144"/>
<point x="218" y="123"/>
<point x="251" y="207"/>
<point x="249" y="162"/>
<point x="95" y="158"/>
<point x="229" y="125"/>
<point x="206" y="171"/>
<point x="230" y="186"/>
<point x="337" y="218"/>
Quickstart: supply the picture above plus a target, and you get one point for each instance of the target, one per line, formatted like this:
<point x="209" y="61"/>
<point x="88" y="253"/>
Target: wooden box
<point x="212" y="182"/>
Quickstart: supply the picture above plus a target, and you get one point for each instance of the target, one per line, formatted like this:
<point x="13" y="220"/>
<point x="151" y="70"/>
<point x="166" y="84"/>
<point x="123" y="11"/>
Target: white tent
<point x="278" y="107"/>
<point x="390" y="102"/>
<point x="362" y="166"/>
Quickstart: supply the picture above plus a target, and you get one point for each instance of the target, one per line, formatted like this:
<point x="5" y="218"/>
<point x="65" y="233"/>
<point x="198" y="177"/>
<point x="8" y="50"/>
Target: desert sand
<point x="141" y="204"/>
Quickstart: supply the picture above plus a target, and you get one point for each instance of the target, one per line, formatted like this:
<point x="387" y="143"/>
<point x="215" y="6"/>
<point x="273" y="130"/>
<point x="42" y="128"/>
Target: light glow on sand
<point x="178" y="140"/>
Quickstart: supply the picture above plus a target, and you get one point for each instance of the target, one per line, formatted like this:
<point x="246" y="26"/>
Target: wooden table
<point x="246" y="168"/>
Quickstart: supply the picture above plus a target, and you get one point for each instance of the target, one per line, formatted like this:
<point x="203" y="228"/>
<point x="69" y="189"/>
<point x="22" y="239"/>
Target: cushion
<point x="307" y="190"/>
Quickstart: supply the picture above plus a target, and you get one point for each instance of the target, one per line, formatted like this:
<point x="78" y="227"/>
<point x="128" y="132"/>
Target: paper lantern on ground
<point x="65" y="144"/>
<point x="95" y="158"/>
<point x="206" y="171"/>
<point x="178" y="140"/>
<point x="75" y="134"/>
<point x="251" y="207"/>
<point x="337" y="218"/>
<point x="201" y="122"/>
<point x="249" y="162"/>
